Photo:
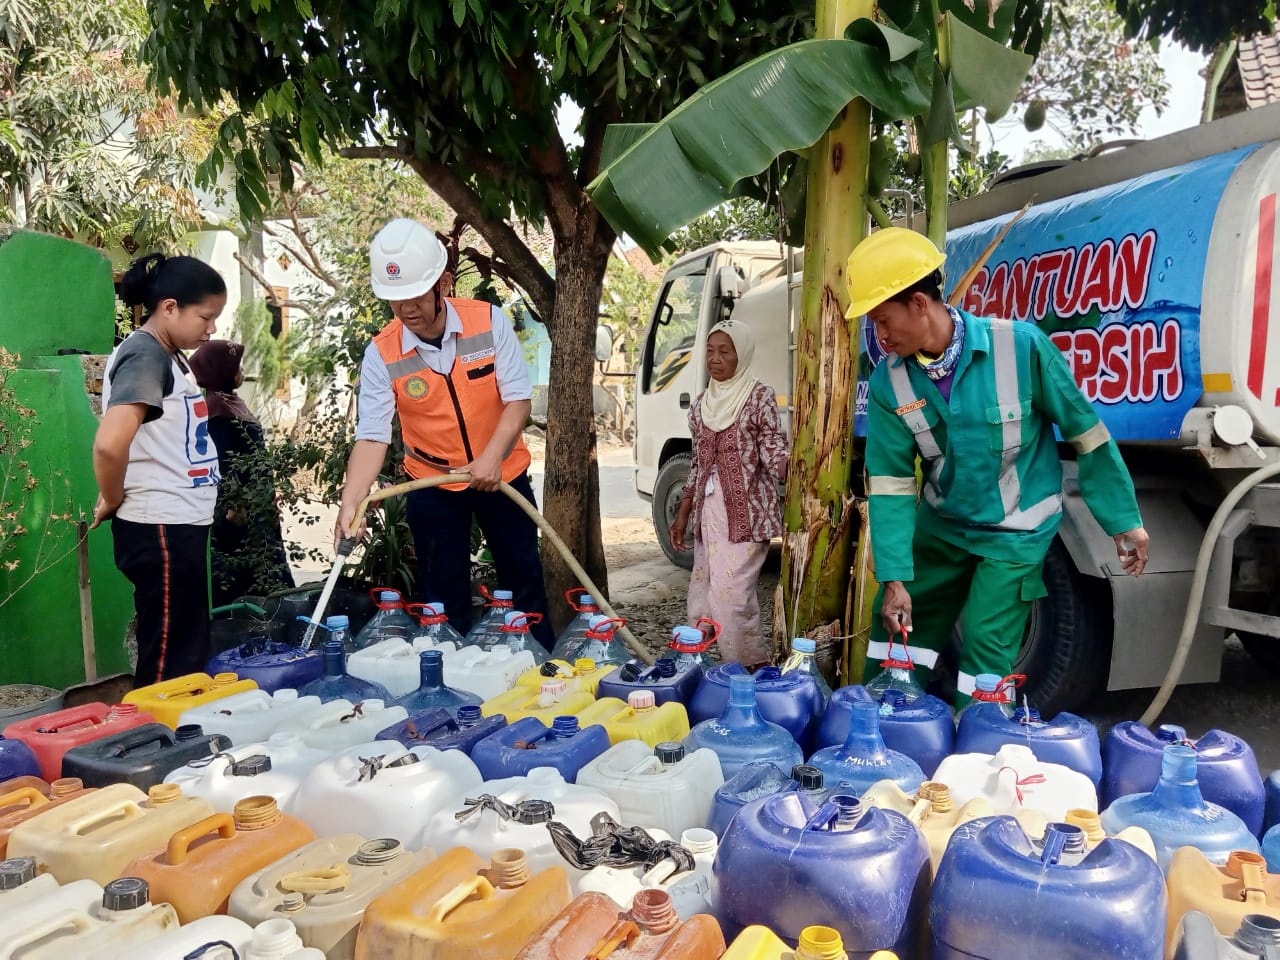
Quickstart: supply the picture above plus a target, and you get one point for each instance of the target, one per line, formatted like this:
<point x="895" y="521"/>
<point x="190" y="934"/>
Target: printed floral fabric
<point x="750" y="460"/>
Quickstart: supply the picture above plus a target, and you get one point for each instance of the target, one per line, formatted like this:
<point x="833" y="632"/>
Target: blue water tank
<point x="791" y="700"/>
<point x="924" y="728"/>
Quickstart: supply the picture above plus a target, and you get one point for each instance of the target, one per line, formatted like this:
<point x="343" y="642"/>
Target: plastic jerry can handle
<point x="140" y="737"/>
<point x="32" y="797"/>
<point x="72" y="717"/>
<point x="474" y="887"/>
<point x="623" y="933"/>
<point x="52" y="924"/>
<point x="127" y="807"/>
<point x="319" y="880"/>
<point x="180" y="843"/>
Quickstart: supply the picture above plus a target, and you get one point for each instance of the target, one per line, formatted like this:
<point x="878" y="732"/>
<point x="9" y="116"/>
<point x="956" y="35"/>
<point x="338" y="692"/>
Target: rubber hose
<point x="1198" y="582"/>
<point x="531" y="511"/>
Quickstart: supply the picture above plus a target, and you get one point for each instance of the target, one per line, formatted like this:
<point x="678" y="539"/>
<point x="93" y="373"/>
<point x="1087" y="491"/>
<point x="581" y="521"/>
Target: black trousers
<point x="168" y="565"/>
<point x="441" y="523"/>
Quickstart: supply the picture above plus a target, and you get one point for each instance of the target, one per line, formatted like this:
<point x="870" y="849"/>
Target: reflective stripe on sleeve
<point x="1091" y="439"/>
<point x="878" y="650"/>
<point x="892" y="486"/>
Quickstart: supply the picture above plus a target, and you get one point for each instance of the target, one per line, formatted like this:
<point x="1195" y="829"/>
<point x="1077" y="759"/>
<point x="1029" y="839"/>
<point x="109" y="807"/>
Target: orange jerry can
<point x="203" y="862"/>
<point x="593" y="927"/>
<point x="22" y="803"/>
<point x="461" y="908"/>
<point x="18" y="783"/>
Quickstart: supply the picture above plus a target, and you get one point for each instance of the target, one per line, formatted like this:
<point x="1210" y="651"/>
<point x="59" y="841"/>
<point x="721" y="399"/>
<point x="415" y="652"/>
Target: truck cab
<point x="1153" y="269"/>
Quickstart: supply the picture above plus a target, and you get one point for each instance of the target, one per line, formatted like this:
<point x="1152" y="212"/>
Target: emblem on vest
<point x="478" y="355"/>
<point x="906" y="408"/>
<point x="415" y="387"/>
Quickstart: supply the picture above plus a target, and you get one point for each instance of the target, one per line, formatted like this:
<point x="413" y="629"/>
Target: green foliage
<point x="86" y="149"/>
<point x="629" y="295"/>
<point x="1196" y="23"/>
<point x="742" y="218"/>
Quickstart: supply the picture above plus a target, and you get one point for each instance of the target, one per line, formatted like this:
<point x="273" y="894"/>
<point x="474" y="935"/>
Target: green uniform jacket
<point x="989" y="457"/>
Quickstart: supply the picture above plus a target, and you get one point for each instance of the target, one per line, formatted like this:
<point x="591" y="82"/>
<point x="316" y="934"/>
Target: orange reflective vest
<point x="446" y="421"/>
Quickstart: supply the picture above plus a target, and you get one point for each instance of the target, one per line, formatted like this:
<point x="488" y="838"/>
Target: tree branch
<point x="597" y="119"/>
<point x="526" y="272"/>
<point x="269" y="289"/>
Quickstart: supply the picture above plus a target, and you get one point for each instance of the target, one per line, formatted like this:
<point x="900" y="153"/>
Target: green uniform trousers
<point x="992" y="597"/>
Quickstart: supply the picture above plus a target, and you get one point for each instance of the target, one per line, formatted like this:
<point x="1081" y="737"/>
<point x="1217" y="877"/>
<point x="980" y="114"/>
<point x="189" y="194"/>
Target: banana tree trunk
<point x="820" y="514"/>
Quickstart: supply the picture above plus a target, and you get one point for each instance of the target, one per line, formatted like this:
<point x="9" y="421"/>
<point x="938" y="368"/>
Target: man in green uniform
<point x="976" y="399"/>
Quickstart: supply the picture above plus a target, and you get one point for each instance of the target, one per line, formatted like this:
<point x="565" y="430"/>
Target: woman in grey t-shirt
<point x="156" y="466"/>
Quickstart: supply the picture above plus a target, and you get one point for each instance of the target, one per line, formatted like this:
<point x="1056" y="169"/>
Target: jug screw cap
<point x="382" y="850"/>
<point x="293" y="902"/>
<point x="251" y="766"/>
<point x="820" y="943"/>
<point x="534" y="811"/>
<point x="653" y="909"/>
<point x="666" y="667"/>
<point x="554" y="688"/>
<point x="225" y="679"/>
<point x="256" y="813"/>
<point x="640" y="700"/>
<point x="669" y="751"/>
<point x="804" y="645"/>
<point x="1171" y="733"/>
<point x="188" y="731"/>
<point x="1257" y="932"/>
<point x="583" y="665"/>
<point x="64" y="786"/>
<point x="164" y="793"/>
<point x="468" y="715"/>
<point x="16" y="871"/>
<point x="126" y="893"/>
<point x="123" y="710"/>
<point x="510" y="866"/>
<point x="938" y="794"/>
<point x="337" y="622"/>
<point x="807" y="775"/>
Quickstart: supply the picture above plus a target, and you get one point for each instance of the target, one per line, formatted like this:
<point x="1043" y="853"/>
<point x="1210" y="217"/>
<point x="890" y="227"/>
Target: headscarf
<point x="723" y="401"/>
<point x="215" y="365"/>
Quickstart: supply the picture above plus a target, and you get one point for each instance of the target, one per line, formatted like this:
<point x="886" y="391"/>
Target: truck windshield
<point x="675" y="330"/>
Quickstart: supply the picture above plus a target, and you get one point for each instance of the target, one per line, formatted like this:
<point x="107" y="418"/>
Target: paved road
<point x="618" y="498"/>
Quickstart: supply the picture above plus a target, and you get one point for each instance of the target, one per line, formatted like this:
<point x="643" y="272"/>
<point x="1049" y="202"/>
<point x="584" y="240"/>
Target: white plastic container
<point x="1013" y="779"/>
<point x="206" y="933"/>
<point x="657" y="786"/>
<point x="79" y="919"/>
<point x="324" y="887"/>
<point x="20" y="884"/>
<point x="692" y="891"/>
<point x="275" y="768"/>
<point x="276" y="939"/>
<point x="487" y="831"/>
<point x="337" y="725"/>
<point x="252" y="715"/>
<point x="485" y="673"/>
<point x="395" y="663"/>
<point x="382" y="789"/>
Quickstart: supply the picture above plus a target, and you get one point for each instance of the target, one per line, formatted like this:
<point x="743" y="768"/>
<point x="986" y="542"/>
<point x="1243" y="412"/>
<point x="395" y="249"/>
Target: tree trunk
<point x="820" y="513"/>
<point x="571" y="490"/>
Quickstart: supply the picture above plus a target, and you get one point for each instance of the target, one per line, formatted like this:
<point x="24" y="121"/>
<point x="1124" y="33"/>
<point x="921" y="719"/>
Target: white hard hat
<point x="406" y="259"/>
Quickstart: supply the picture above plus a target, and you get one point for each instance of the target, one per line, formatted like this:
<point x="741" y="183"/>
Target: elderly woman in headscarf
<point x="248" y="555"/>
<point x="739" y="458"/>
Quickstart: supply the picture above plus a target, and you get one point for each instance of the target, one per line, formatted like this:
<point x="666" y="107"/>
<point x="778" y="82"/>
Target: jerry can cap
<point x="640" y="700"/>
<point x="665" y="667"/>
<point x="251" y="766"/>
<point x="337" y="622"/>
<point x="534" y="811"/>
<point x="16" y="871"/>
<point x="804" y="645"/>
<point x="126" y="893"/>
<point x="808" y="776"/>
<point x="669" y="751"/>
<point x="503" y="595"/>
<point x="188" y="731"/>
<point x="554" y="687"/>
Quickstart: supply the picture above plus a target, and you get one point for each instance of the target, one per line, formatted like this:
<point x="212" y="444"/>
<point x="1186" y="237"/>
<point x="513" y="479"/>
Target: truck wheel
<point x="1065" y="650"/>
<point x="667" y="493"/>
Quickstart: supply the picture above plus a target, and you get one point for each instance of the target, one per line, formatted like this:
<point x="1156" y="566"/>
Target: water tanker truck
<point x="1156" y="271"/>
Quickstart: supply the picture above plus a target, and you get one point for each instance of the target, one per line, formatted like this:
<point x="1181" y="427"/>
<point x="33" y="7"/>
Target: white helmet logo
<point x="393" y="269"/>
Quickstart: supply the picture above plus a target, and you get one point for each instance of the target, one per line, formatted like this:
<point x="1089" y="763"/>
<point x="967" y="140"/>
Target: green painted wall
<point x="55" y="294"/>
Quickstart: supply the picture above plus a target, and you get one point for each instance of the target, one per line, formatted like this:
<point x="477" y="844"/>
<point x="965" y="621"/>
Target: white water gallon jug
<point x="209" y="938"/>
<point x="82" y="918"/>
<point x="382" y="789"/>
<point x="1013" y="778"/>
<point x="274" y="768"/>
<point x="324" y="887"/>
<point x="250" y="716"/>
<point x="485" y="673"/>
<point x="692" y="891"/>
<point x="340" y="724"/>
<point x="517" y="816"/>
<point x="395" y="663"/>
<point x="658" y="786"/>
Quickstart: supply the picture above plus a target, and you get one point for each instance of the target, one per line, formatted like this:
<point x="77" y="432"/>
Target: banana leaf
<point x="736" y="125"/>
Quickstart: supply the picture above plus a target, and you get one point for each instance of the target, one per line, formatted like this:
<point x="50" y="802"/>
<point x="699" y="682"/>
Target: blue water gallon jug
<point x="791" y="700"/>
<point x="432" y="691"/>
<point x="1271" y="849"/>
<point x="863" y="758"/>
<point x="433" y="624"/>
<point x="863" y="870"/>
<point x="924" y="728"/>
<point x="740" y="735"/>
<point x="1176" y="814"/>
<point x="440" y="728"/>
<point x="999" y="895"/>
<point x="1272" y="787"/>
<point x="1225" y="767"/>
<point x="1258" y="938"/>
<point x="337" y="684"/>
<point x="487" y="630"/>
<point x="663" y="679"/>
<point x="991" y="720"/>
<point x="528" y="743"/>
<point x="391" y="622"/>
<point x="757" y="780"/>
<point x="17" y="760"/>
<point x="272" y="666"/>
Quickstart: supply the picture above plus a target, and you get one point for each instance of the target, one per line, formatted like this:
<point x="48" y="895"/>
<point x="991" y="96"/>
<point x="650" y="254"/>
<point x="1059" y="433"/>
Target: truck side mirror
<point x="604" y="342"/>
<point x="730" y="283"/>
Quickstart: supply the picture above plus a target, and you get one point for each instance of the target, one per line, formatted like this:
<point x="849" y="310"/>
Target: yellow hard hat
<point x="887" y="262"/>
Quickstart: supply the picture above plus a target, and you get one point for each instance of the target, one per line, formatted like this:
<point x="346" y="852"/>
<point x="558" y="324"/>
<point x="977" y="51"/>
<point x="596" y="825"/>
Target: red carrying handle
<point x="889" y="660"/>
<point x="375" y="594"/>
<point x="419" y="610"/>
<point x="708" y="637"/>
<point x="522" y="623"/>
<point x="1003" y="693"/>
<point x="490" y="602"/>
<point x="606" y="628"/>
<point x="711" y="630"/>
<point x="580" y="607"/>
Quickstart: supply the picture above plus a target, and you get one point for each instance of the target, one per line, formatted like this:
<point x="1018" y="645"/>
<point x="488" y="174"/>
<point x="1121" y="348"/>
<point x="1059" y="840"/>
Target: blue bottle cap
<point x="434" y="608"/>
<point x="987" y="682"/>
<point x="586" y="599"/>
<point x="389" y="596"/>
<point x="515" y="617"/>
<point x="804" y="645"/>
<point x="686" y="634"/>
<point x="503" y="595"/>
<point x="337" y="622"/>
<point x="597" y="620"/>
